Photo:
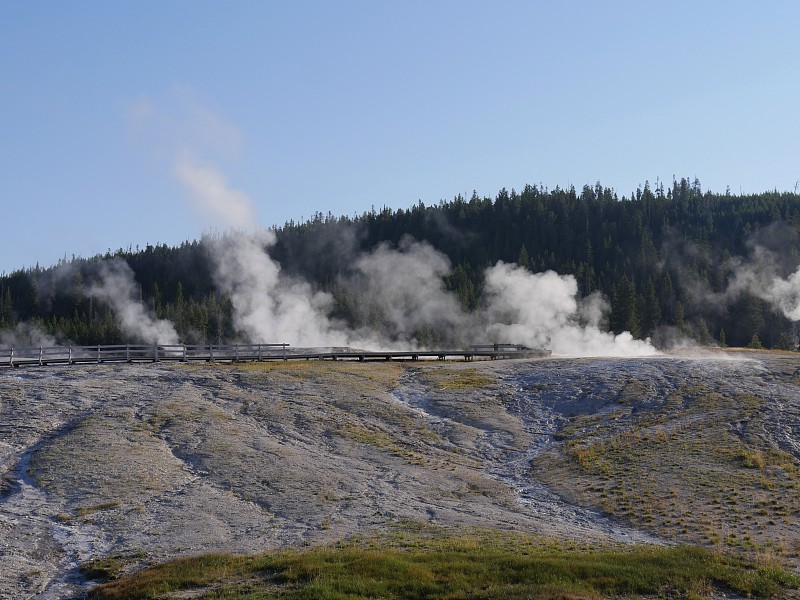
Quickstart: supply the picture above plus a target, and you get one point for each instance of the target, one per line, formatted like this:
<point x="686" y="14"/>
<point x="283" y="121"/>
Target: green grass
<point x="456" y="379"/>
<point x="102" y="569"/>
<point x="501" y="566"/>
<point x="87" y="510"/>
<point x="383" y="441"/>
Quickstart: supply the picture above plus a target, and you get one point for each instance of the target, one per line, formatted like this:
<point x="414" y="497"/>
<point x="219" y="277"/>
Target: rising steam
<point x="211" y="193"/>
<point x="760" y="275"/>
<point x="400" y="295"/>
<point x="542" y="310"/>
<point x="119" y="290"/>
<point x="396" y="295"/>
<point x="26" y="334"/>
<point x="767" y="272"/>
<point x="785" y="295"/>
<point x="268" y="306"/>
<point x="114" y="284"/>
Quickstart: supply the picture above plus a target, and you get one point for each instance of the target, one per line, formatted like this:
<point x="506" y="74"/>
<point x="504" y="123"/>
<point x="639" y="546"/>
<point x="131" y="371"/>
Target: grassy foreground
<point x="457" y="567"/>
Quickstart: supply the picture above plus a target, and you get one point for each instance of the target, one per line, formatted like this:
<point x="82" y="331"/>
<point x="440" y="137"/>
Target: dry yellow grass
<point x="684" y="472"/>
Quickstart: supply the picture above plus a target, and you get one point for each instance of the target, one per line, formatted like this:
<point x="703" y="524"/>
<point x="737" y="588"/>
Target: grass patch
<point x="100" y="459"/>
<point x="102" y="569"/>
<point x="382" y="441"/>
<point x="691" y="469"/>
<point x="465" y="566"/>
<point x="87" y="510"/>
<point x="456" y="379"/>
<point x="366" y="375"/>
<point x="752" y="459"/>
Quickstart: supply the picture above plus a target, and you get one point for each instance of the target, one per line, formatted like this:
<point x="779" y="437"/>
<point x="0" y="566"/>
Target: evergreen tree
<point x="786" y="341"/>
<point x="6" y="310"/>
<point x="680" y="321"/>
<point x="629" y="249"/>
<point x="755" y="342"/>
<point x="702" y="334"/>
<point x="651" y="311"/>
<point x="623" y="308"/>
<point x="523" y="260"/>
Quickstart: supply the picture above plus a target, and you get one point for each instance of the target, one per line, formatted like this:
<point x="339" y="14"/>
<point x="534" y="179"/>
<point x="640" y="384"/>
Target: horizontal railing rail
<point x="72" y="354"/>
<point x="47" y="355"/>
<point x="500" y="347"/>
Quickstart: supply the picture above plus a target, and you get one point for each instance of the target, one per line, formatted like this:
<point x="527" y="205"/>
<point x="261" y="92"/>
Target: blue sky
<point x="306" y="106"/>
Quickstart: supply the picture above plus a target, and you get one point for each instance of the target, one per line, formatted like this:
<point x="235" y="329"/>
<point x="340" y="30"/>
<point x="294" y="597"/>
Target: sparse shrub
<point x="87" y="510"/>
<point x="101" y="569"/>
<point x="752" y="459"/>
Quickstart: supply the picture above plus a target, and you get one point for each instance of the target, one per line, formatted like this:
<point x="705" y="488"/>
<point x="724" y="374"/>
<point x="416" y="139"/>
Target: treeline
<point x="664" y="257"/>
<point x="175" y="283"/>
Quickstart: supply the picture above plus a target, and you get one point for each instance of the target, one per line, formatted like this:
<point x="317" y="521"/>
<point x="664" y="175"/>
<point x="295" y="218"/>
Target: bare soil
<point x="144" y="463"/>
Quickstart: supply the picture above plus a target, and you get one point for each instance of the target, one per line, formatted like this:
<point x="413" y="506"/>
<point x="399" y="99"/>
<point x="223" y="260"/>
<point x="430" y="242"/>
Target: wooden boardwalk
<point x="73" y="355"/>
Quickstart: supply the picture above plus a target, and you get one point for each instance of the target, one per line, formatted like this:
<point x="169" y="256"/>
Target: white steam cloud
<point x="542" y="310"/>
<point x="400" y="293"/>
<point x="27" y="335"/>
<point x="768" y="272"/>
<point x="759" y="275"/>
<point x="400" y="298"/>
<point x="118" y="288"/>
<point x="212" y="195"/>
<point x="269" y="307"/>
<point x="396" y="295"/>
<point x="785" y="294"/>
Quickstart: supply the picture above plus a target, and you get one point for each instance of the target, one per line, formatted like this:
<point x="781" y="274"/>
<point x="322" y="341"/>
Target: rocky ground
<point x="149" y="462"/>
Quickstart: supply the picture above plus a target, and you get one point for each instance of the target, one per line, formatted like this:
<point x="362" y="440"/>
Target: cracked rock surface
<point x="144" y="463"/>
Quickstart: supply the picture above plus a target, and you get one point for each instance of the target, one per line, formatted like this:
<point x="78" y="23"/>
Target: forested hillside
<point x="668" y="260"/>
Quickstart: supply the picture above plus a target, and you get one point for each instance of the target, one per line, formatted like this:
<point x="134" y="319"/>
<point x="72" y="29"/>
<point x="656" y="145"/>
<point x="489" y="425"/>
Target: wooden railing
<point x="44" y="355"/>
<point x="51" y="355"/>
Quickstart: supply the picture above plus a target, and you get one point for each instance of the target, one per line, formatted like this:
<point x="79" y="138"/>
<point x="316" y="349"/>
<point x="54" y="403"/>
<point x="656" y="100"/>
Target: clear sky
<point x="305" y="106"/>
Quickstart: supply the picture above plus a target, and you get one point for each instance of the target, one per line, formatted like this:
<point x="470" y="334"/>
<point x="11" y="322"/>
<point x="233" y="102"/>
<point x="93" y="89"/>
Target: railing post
<point x="11" y="358"/>
<point x="40" y="356"/>
<point x="98" y="354"/>
<point x="184" y="353"/>
<point x="69" y="355"/>
<point x="260" y="356"/>
<point x="127" y="352"/>
<point x="155" y="352"/>
<point x="211" y="352"/>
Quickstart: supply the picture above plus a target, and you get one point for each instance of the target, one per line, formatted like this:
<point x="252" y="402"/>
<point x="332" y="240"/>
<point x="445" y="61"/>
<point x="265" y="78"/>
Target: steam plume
<point x="397" y="294"/>
<point x="401" y="293"/>
<point x="26" y="334"/>
<point x="212" y="194"/>
<point x="542" y="310"/>
<point x="270" y="307"/>
<point x="119" y="289"/>
<point x="767" y="272"/>
<point x="760" y="276"/>
<point x="785" y="294"/>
